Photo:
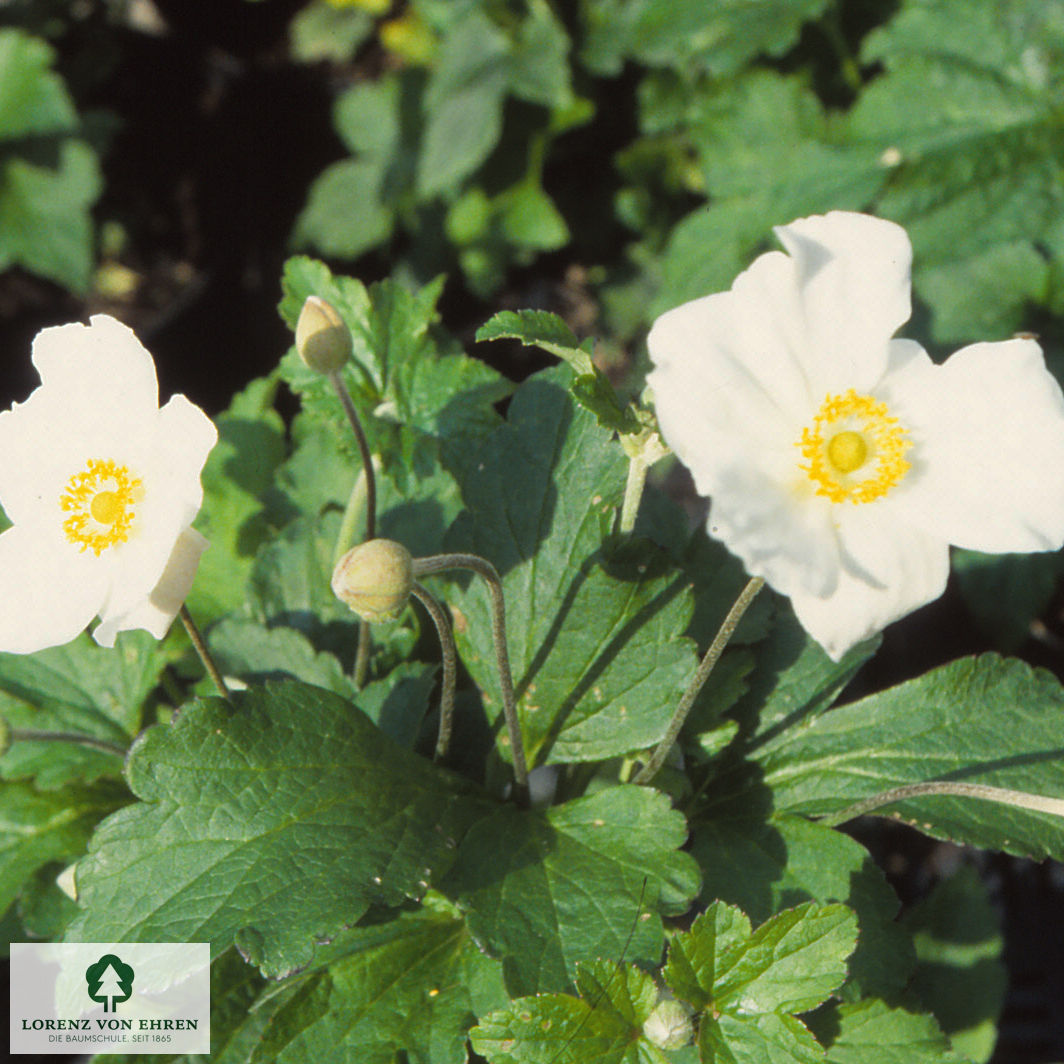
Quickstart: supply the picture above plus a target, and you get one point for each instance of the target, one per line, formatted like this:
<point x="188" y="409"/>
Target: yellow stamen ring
<point x="100" y="501"/>
<point x="854" y="449"/>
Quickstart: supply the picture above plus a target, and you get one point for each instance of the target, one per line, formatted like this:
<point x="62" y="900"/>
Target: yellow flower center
<point x="854" y="449"/>
<point x="100" y="501"/>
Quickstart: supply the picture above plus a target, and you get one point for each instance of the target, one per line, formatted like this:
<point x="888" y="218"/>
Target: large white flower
<point x="101" y="486"/>
<point x="841" y="463"/>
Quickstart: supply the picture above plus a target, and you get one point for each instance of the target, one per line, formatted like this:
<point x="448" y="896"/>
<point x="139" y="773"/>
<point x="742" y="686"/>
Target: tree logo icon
<point x="110" y="981"/>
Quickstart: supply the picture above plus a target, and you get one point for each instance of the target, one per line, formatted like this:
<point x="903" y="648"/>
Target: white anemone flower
<point x="101" y="487"/>
<point x="840" y="462"/>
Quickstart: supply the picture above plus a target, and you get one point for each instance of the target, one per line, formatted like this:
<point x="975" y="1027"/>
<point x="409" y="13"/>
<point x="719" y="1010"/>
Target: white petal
<point x="157" y="612"/>
<point x="49" y="592"/>
<point x="77" y="358"/>
<point x="853" y="273"/>
<point x="37" y="457"/>
<point x="788" y="540"/>
<point x="735" y="361"/>
<point x="170" y="470"/>
<point x="916" y="566"/>
<point x="988" y="426"/>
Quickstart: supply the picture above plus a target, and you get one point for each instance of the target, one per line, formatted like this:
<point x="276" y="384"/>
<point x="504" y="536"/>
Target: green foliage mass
<point x="368" y="901"/>
<point x="49" y="176"/>
<point x="357" y="894"/>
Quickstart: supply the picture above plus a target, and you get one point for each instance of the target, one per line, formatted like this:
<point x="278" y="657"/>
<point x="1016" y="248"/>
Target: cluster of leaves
<point x="49" y="173"/>
<point x="728" y="113"/>
<point x="431" y="154"/>
<point x="362" y="900"/>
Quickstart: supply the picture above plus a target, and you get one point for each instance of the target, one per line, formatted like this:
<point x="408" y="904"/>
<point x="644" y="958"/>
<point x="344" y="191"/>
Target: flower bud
<point x="668" y="1026"/>
<point x="375" y="579"/>
<point x="322" y="339"/>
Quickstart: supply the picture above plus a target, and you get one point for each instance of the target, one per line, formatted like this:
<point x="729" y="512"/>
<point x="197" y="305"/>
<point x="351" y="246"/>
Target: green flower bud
<point x="375" y="579"/>
<point x="322" y="339"/>
<point x="668" y="1026"/>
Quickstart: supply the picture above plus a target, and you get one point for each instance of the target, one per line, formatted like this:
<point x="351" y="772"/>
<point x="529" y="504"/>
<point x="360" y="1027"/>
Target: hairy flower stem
<point x="438" y="563"/>
<point x="450" y="658"/>
<point x="204" y="653"/>
<point x="1002" y="795"/>
<point x="30" y="735"/>
<point x="727" y="629"/>
<point x="633" y="492"/>
<point x="370" y="489"/>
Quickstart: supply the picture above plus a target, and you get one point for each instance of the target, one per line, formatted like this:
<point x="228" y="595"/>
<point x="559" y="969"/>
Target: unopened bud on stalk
<point x="322" y="339"/>
<point x="375" y="579"/>
<point x="668" y="1026"/>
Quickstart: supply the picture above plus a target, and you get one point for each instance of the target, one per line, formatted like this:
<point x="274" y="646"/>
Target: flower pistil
<point x="100" y="501"/>
<point x="854" y="449"/>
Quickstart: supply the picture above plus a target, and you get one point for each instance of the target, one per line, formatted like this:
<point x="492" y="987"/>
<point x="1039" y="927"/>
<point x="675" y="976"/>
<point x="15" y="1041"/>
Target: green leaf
<point x="321" y="31"/>
<point x="410" y="985"/>
<point x="767" y="1038"/>
<point x="1006" y="592"/>
<point x="968" y="113"/>
<point x="719" y="38"/>
<point x="987" y="294"/>
<point x="871" y="1033"/>
<point x="976" y="720"/>
<point x="591" y="387"/>
<point x="541" y="329"/>
<point x="38" y="828"/>
<point x="546" y="890"/>
<point x="237" y="516"/>
<point x="604" y="1025"/>
<point x="345" y="214"/>
<point x="255" y="653"/>
<point x="791" y="963"/>
<point x="79" y="688"/>
<point x="793" y="683"/>
<point x="960" y="978"/>
<point x="351" y="205"/>
<point x="763" y="865"/>
<point x="289" y="583"/>
<point x="397" y="703"/>
<point x="463" y="103"/>
<point x="45" y="220"/>
<point x="33" y="99"/>
<point x="594" y="628"/>
<point x="43" y="908"/>
<point x="742" y="132"/>
<point x="235" y="798"/>
<point x="416" y="391"/>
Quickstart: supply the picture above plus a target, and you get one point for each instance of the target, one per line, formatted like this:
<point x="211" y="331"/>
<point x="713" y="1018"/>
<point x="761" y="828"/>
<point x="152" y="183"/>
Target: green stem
<point x="633" y="492"/>
<point x="204" y="653"/>
<point x="363" y="449"/>
<point x="705" y="667"/>
<point x="362" y="653"/>
<point x="1002" y="795"/>
<point x="439" y="563"/>
<point x="450" y="660"/>
<point x="31" y="735"/>
<point x="356" y="507"/>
